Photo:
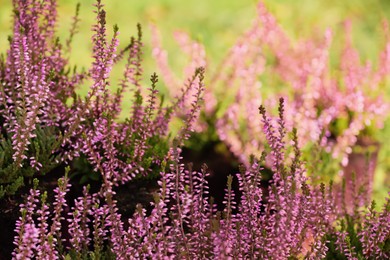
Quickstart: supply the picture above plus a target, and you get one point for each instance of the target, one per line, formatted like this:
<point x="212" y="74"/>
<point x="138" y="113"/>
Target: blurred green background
<point x="217" y="24"/>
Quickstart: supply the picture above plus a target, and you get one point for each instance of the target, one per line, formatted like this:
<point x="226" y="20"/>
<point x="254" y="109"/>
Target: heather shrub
<point x="293" y="219"/>
<point x="45" y="124"/>
<point x="338" y="107"/>
<point x="362" y="234"/>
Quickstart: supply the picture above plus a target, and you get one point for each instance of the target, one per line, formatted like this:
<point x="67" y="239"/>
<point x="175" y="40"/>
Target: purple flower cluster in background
<point x="317" y="95"/>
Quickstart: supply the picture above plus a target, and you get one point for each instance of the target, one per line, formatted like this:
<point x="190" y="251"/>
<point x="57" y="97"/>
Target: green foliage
<point x="352" y="227"/>
<point x="83" y="170"/>
<point x="103" y="255"/>
<point x="41" y="149"/>
<point x="319" y="163"/>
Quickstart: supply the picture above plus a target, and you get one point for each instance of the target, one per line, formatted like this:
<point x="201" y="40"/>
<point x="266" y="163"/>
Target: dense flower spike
<point x="28" y="234"/>
<point x="375" y="234"/>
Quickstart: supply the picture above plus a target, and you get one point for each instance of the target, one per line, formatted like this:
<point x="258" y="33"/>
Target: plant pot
<point x="360" y="171"/>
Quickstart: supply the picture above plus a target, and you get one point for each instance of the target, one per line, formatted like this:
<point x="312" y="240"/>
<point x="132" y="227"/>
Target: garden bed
<point x="211" y="171"/>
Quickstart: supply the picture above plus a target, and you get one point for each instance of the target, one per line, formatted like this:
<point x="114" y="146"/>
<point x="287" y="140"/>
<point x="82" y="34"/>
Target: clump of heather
<point x="363" y="234"/>
<point x="336" y="107"/>
<point x="291" y="219"/>
<point x="45" y="123"/>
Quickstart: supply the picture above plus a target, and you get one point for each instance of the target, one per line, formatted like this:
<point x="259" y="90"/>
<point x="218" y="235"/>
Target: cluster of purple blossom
<point x="296" y="219"/>
<point x="317" y="94"/>
<point x="37" y="86"/>
<point x="293" y="218"/>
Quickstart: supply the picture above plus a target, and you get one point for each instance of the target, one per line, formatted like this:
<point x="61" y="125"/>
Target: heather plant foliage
<point x="297" y="219"/>
<point x="280" y="209"/>
<point x="40" y="130"/>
